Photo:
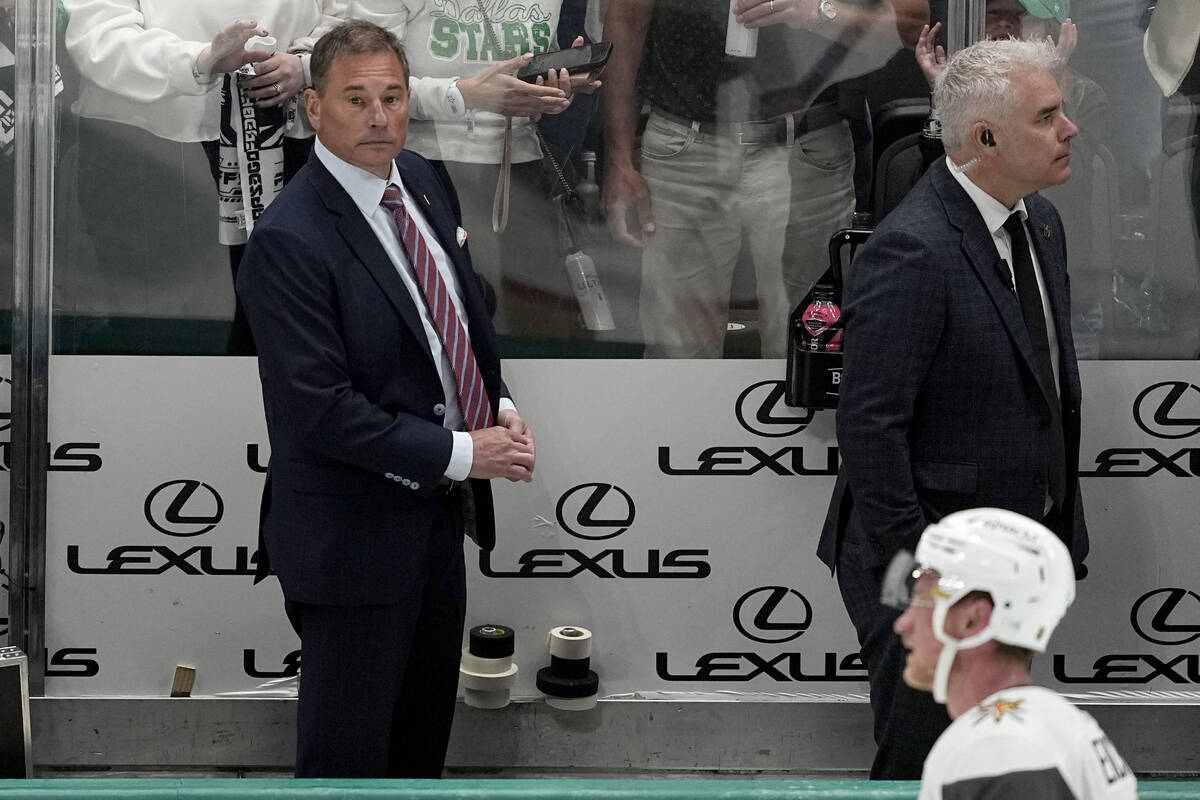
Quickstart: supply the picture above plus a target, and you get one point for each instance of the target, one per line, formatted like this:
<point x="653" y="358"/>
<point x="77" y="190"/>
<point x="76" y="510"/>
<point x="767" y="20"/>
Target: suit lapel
<point x="361" y="239"/>
<point x="981" y="253"/>
<point x="1048" y="248"/>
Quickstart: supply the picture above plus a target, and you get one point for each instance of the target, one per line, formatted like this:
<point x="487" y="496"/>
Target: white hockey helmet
<point x="1025" y="568"/>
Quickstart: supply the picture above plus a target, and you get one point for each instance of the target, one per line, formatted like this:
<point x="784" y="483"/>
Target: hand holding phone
<point x="588" y="58"/>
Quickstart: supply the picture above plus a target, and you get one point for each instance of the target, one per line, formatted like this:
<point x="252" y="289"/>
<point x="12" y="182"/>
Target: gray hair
<point x="976" y="84"/>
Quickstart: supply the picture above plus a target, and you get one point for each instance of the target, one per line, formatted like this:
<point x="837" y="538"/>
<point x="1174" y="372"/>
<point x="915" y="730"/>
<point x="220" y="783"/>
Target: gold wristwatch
<point x="827" y="10"/>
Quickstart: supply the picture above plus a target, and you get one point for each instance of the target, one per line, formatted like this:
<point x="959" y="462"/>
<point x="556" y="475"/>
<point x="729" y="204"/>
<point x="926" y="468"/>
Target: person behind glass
<point x="386" y="414"/>
<point x="1031" y="19"/>
<point x="152" y="70"/>
<point x="983" y="592"/>
<point x="735" y="147"/>
<point x="1172" y="50"/>
<point x="960" y="386"/>
<point x="464" y="60"/>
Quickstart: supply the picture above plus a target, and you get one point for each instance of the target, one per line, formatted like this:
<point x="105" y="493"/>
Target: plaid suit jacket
<point x="940" y="407"/>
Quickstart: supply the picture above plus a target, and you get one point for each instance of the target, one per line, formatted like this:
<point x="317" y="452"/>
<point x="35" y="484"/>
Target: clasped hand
<point x="505" y="450"/>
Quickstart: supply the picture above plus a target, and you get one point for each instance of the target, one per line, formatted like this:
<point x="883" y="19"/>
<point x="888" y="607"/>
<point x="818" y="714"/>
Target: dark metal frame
<point x="33" y="226"/>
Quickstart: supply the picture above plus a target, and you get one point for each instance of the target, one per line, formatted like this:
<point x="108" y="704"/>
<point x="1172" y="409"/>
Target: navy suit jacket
<point x="354" y="405"/>
<point x="940" y="407"/>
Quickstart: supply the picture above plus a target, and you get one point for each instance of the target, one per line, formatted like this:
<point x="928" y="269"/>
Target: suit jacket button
<point x="405" y="481"/>
<point x="415" y="485"/>
<point x="397" y="478"/>
<point x="388" y="475"/>
<point x="1039" y="483"/>
<point x="439" y="409"/>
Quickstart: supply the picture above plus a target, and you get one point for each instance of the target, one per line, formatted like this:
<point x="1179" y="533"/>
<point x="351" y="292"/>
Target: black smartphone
<point x="589" y="58"/>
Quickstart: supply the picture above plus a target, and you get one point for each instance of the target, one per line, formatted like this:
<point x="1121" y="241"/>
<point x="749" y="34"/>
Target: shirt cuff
<point x="306" y="62"/>
<point x="456" y="106"/>
<point x="462" y="455"/>
<point x="186" y="76"/>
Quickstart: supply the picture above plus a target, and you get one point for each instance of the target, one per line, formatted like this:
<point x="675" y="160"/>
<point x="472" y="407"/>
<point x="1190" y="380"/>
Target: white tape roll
<point x="489" y="683"/>
<point x="478" y="699"/>
<point x="486" y="666"/>
<point x="263" y="43"/>
<point x="570" y="641"/>
<point x="571" y="703"/>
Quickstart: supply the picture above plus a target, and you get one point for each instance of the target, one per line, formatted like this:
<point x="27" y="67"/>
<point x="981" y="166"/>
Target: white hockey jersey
<point x="1026" y="742"/>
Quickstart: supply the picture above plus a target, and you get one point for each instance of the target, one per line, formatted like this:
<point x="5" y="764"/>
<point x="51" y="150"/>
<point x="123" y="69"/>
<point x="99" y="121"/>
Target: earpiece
<point x="987" y="138"/>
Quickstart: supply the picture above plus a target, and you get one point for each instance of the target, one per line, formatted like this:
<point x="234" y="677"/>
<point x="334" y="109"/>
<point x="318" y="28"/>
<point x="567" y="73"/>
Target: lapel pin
<point x="1046" y="232"/>
<point x="461" y="235"/>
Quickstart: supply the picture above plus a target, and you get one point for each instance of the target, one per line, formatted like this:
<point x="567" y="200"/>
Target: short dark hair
<point x="353" y="38"/>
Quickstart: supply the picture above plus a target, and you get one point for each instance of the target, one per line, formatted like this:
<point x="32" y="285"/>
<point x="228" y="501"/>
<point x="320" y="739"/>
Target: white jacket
<point x="136" y="57"/>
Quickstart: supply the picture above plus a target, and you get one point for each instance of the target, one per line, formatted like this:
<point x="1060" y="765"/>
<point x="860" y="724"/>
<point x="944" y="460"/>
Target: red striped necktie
<point x="472" y="395"/>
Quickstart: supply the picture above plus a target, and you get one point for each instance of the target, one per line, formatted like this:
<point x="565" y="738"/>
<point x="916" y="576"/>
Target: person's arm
<point x="332" y="14"/>
<point x="890" y="21"/>
<point x="894" y="307"/>
<point x="625" y="191"/>
<point x="110" y="43"/>
<point x="930" y="55"/>
<point x="494" y="89"/>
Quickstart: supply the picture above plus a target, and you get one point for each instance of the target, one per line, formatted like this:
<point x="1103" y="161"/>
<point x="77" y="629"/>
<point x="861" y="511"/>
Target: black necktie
<point x="1035" y="322"/>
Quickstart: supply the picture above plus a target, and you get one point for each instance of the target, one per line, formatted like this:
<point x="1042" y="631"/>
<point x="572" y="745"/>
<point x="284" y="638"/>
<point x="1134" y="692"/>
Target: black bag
<point x="815" y="335"/>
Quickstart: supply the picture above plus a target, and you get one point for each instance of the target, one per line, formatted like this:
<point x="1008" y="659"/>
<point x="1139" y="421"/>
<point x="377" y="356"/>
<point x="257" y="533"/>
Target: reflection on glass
<point x="162" y="114"/>
<point x="712" y="180"/>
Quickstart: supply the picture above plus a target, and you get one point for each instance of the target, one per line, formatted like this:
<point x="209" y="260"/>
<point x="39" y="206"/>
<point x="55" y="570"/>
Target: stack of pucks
<point x="568" y="683"/>
<point x="487" y="669"/>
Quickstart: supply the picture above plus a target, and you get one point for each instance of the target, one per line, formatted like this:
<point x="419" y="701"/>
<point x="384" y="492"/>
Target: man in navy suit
<point x="960" y="387"/>
<point x="386" y="415"/>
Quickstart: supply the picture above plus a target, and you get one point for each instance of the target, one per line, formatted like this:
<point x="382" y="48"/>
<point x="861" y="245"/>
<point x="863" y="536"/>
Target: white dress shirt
<point x="366" y="190"/>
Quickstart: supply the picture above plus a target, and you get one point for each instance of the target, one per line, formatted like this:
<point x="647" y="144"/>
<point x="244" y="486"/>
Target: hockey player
<point x="984" y="590"/>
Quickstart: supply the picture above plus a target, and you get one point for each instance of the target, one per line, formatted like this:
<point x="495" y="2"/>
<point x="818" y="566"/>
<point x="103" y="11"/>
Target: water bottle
<point x="588" y="190"/>
<point x="821" y="326"/>
<point x="593" y="305"/>
<point x="816" y="330"/>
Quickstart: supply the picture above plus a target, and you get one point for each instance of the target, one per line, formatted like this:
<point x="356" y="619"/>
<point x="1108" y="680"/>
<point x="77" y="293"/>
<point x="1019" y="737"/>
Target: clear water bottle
<point x="593" y="305"/>
<point x="588" y="190"/>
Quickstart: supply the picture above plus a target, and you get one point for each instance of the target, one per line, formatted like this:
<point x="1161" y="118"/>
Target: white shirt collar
<point x="992" y="210"/>
<point x="364" y="188"/>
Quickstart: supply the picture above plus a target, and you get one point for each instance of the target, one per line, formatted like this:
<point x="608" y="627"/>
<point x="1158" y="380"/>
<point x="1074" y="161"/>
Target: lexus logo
<point x="595" y="511"/>
<point x="1169" y="410"/>
<point x="772" y="614"/>
<point x="761" y="410"/>
<point x="184" y="508"/>
<point x="1167" y="616"/>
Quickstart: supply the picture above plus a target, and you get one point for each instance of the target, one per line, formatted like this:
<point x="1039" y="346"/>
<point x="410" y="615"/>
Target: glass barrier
<point x="702" y="183"/>
<point x="7" y="124"/>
